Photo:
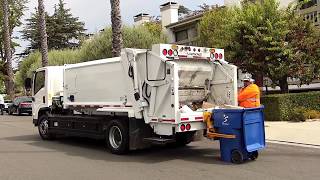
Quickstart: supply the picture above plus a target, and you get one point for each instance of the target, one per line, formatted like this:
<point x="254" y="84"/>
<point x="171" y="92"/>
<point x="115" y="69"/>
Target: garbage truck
<point x="143" y="97"/>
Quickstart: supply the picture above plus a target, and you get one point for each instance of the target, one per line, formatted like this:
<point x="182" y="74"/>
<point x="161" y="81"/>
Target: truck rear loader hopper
<point x="144" y="96"/>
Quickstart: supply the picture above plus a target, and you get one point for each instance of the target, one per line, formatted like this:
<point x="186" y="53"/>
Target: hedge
<point x="279" y="107"/>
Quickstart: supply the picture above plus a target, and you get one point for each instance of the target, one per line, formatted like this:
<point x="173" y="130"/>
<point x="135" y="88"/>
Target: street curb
<point x="293" y="143"/>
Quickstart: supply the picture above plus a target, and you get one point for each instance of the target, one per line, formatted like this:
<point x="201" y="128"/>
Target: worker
<point x="249" y="95"/>
<point x="1" y="104"/>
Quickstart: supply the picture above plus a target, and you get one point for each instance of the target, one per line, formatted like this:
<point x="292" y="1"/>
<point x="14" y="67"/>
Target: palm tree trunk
<point x="116" y="28"/>
<point x="7" y="47"/>
<point x="43" y="33"/>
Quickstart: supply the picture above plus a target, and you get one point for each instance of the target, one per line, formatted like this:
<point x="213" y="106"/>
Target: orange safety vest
<point x="249" y="97"/>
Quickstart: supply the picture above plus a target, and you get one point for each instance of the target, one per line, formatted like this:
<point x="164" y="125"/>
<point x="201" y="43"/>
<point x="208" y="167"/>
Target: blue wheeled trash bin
<point x="248" y="127"/>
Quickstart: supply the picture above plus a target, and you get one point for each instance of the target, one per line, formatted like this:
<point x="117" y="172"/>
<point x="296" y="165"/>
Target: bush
<point x="312" y="114"/>
<point x="279" y="107"/>
<point x="298" y="114"/>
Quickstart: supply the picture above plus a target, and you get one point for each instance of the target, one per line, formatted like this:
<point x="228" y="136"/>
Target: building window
<point x="181" y="35"/>
<point x="308" y="4"/>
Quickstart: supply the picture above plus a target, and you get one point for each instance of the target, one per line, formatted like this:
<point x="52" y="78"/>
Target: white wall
<point x="230" y="3"/>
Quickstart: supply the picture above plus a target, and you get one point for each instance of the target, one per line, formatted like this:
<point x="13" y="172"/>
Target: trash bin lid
<point x="253" y="129"/>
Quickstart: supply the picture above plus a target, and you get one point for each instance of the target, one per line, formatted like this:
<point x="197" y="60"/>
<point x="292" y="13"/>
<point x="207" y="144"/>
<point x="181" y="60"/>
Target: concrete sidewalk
<point x="304" y="133"/>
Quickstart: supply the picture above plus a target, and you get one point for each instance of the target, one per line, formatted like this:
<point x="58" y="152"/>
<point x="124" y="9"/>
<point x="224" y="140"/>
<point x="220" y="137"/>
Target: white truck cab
<point x="47" y="82"/>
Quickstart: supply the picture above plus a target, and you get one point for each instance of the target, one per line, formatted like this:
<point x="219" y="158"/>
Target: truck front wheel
<point x="117" y="137"/>
<point x="43" y="128"/>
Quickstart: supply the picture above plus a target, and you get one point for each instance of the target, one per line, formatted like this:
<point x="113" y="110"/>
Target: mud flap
<point x="138" y="130"/>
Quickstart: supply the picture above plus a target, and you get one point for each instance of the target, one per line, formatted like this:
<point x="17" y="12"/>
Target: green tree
<point x="183" y="10"/>
<point x="266" y="41"/>
<point x="32" y="34"/>
<point x="63" y="29"/>
<point x="155" y="28"/>
<point x="69" y="28"/>
<point x="10" y="17"/>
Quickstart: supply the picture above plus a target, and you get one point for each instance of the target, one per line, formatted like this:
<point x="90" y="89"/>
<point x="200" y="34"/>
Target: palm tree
<point x="116" y="28"/>
<point x="43" y="33"/>
<point x="7" y="47"/>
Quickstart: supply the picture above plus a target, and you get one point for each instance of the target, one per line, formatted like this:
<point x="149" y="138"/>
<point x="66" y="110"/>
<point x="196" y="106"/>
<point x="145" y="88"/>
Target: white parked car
<point x="7" y="103"/>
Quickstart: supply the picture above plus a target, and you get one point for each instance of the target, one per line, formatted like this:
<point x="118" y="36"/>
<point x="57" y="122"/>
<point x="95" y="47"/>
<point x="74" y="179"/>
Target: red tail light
<point x="188" y="127"/>
<point x="24" y="104"/>
<point x="182" y="127"/>
<point x="216" y="55"/>
<point x="170" y="52"/>
<point x="220" y="56"/>
<point x="164" y="52"/>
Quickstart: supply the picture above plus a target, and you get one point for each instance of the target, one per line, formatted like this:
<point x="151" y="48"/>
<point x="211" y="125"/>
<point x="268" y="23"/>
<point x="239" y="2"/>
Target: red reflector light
<point x="164" y="52"/>
<point x="182" y="127"/>
<point x="184" y="119"/>
<point x="188" y="127"/>
<point x="198" y="118"/>
<point x="24" y="104"/>
<point x="170" y="52"/>
<point x="216" y="55"/>
<point x="220" y="56"/>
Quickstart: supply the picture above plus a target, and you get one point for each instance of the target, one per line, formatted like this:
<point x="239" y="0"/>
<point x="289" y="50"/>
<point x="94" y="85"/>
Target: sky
<point x="96" y="13"/>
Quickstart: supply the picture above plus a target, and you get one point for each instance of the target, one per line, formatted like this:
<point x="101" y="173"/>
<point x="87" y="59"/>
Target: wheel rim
<point x="115" y="137"/>
<point x="236" y="157"/>
<point x="43" y="127"/>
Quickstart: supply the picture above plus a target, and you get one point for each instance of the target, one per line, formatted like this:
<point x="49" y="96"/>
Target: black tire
<point x="9" y="111"/>
<point x="182" y="139"/>
<point x="236" y="157"/>
<point x="117" y="137"/>
<point x="43" y="128"/>
<point x="18" y="112"/>
<point x="254" y="155"/>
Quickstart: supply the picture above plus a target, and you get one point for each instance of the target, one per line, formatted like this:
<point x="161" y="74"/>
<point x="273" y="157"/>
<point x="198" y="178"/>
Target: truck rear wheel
<point x="117" y="137"/>
<point x="43" y="128"/>
<point x="182" y="139"/>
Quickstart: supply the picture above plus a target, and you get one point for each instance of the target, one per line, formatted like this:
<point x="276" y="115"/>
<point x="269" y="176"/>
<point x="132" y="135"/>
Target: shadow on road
<point x="96" y="150"/>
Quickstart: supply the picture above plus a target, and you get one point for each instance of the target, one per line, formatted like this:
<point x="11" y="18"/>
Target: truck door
<point x="38" y="92"/>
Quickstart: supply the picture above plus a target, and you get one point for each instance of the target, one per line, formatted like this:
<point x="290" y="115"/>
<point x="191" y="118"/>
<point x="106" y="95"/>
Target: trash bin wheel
<point x="236" y="157"/>
<point x="254" y="155"/>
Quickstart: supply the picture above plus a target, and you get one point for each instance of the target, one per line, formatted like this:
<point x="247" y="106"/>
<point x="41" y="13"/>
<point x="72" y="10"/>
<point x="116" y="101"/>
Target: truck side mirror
<point x="27" y="83"/>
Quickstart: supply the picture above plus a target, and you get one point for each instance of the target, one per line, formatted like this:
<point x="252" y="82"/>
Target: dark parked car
<point x="21" y="105"/>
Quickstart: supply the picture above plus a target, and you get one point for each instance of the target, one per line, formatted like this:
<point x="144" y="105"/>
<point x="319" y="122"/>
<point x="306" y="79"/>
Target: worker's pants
<point x="1" y="109"/>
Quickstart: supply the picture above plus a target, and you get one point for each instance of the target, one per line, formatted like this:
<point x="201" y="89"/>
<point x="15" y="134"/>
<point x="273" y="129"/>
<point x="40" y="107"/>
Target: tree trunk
<point x="116" y="28"/>
<point x="43" y="33"/>
<point x="258" y="79"/>
<point x="7" y="47"/>
<point x="283" y="83"/>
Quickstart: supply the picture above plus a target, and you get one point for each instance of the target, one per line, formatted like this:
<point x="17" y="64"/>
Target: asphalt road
<point x="23" y="155"/>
